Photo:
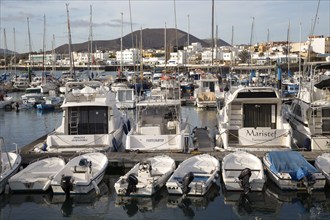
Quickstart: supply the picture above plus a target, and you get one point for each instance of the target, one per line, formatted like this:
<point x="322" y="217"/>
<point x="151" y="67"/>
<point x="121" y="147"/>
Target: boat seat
<point x="79" y="169"/>
<point x="171" y="125"/>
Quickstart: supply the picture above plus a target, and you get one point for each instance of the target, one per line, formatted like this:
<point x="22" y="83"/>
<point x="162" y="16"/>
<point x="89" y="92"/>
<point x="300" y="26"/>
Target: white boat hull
<point x="37" y="176"/>
<point x="232" y="166"/>
<point x="83" y="179"/>
<point x="205" y="170"/>
<point x="284" y="181"/>
<point x="150" y="181"/>
<point x="322" y="163"/>
<point x="7" y="169"/>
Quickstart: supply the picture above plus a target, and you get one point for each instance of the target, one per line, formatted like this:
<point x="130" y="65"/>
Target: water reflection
<point x="134" y="204"/>
<point x="252" y="205"/>
<point x="300" y="203"/>
<point x="190" y="204"/>
<point x="90" y="199"/>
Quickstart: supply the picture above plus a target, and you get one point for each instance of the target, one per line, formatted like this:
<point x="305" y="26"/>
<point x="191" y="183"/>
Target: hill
<point x="151" y="39"/>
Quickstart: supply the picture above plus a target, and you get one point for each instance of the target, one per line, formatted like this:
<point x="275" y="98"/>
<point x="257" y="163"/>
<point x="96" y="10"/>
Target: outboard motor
<point x="186" y="180"/>
<point x="132" y="181"/>
<point x="244" y="177"/>
<point x="67" y="184"/>
<point x="309" y="181"/>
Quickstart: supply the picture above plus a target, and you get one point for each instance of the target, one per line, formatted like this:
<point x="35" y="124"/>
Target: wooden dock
<point x="125" y="160"/>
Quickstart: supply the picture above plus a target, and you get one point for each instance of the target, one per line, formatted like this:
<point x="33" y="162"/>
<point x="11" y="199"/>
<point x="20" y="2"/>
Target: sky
<point x="244" y="17"/>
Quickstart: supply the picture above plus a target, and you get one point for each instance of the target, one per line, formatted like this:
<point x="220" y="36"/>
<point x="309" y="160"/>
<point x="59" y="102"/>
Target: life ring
<point x="128" y="125"/>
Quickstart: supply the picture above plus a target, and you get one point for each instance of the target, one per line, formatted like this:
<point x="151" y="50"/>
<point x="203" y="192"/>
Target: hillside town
<point x="265" y="53"/>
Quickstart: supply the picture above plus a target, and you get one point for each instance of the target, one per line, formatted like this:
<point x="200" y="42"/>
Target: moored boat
<point x="322" y="162"/>
<point x="159" y="124"/>
<point x="146" y="177"/>
<point x="9" y="165"/>
<point x="291" y="171"/>
<point x="37" y="175"/>
<point x="81" y="174"/>
<point x="194" y="176"/>
<point x="91" y="121"/>
<point x="242" y="171"/>
<point x="251" y="120"/>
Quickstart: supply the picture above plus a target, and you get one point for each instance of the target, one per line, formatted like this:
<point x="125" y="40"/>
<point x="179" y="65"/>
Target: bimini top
<point x="290" y="162"/>
<point x="91" y="93"/>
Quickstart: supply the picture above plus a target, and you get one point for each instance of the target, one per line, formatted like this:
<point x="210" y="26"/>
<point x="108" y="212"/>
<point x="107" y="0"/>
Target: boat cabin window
<point x="260" y="115"/>
<point x="124" y="95"/>
<point x="36" y="90"/>
<point x="256" y="95"/>
<point x="88" y="120"/>
<point x="209" y="85"/>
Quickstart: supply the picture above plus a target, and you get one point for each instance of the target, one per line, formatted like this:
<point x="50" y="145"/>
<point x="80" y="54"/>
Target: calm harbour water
<point x="25" y="126"/>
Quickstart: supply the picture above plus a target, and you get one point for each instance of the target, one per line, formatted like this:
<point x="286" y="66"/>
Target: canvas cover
<point x="291" y="162"/>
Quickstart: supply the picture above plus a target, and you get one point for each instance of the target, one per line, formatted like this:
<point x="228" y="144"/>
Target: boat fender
<point x="125" y="128"/>
<point x="132" y="181"/>
<point x="186" y="180"/>
<point x="128" y="125"/>
<point x="97" y="189"/>
<point x="67" y="184"/>
<point x="44" y="146"/>
<point x="307" y="144"/>
<point x="115" y="144"/>
<point x="244" y="178"/>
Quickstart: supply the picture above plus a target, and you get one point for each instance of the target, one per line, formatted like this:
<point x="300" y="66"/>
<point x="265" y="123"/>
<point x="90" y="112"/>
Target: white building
<point x="128" y="56"/>
<point x="320" y="44"/>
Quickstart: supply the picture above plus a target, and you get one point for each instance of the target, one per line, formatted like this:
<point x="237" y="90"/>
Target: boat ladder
<point x="74" y="121"/>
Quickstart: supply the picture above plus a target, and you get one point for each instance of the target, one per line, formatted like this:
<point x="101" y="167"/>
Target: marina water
<point x="23" y="127"/>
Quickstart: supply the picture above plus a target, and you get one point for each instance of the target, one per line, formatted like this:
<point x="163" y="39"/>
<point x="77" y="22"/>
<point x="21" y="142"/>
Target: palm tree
<point x="244" y="56"/>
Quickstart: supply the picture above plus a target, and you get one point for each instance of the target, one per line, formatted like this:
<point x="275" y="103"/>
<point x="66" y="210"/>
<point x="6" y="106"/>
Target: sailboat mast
<point x="188" y="35"/>
<point x="141" y="53"/>
<point x="176" y="36"/>
<point x="165" y="46"/>
<point x="30" y="50"/>
<point x="212" y="32"/>
<point x="14" y="52"/>
<point x="288" y="49"/>
<point x="132" y="37"/>
<point x="90" y="56"/>
<point x="231" y="56"/>
<point x="44" y="52"/>
<point x="267" y="48"/>
<point x="6" y="48"/>
<point x="53" y="56"/>
<point x="70" y="42"/>
<point x="121" y="44"/>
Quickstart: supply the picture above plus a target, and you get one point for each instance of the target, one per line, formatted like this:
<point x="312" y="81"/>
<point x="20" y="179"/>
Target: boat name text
<point x="261" y="133"/>
<point x="155" y="140"/>
<point x="78" y="139"/>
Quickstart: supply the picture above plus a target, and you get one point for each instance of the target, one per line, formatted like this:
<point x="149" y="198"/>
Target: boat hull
<point x="204" y="169"/>
<point x="9" y="172"/>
